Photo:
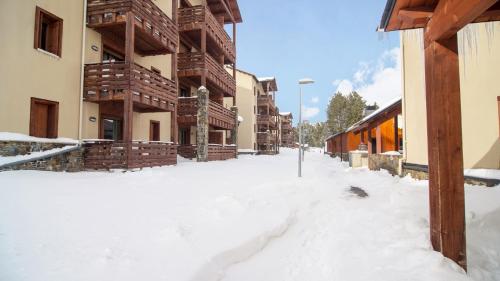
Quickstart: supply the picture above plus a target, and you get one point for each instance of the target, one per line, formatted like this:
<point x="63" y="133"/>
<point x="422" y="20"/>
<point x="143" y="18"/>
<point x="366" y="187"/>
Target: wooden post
<point x="174" y="127"/>
<point x="396" y="134"/>
<point x="444" y="133"/>
<point x="234" y="64"/>
<point x="204" y="53"/>
<point x="378" y="136"/>
<point x="127" y="101"/>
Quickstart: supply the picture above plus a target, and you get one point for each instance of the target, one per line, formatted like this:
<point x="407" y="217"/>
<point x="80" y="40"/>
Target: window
<point x="154" y="131"/>
<point x="184" y="93"/>
<point x="155" y="70"/>
<point x="110" y="56"/>
<point x="111" y="128"/>
<point x="48" y="32"/>
<point x="44" y="117"/>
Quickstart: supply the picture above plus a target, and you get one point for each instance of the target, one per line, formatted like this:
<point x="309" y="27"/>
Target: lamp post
<point x="301" y="82"/>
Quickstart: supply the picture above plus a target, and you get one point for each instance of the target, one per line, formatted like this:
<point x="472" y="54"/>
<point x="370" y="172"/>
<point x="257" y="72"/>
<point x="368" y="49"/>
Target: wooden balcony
<point x="106" y="155"/>
<point x="267" y="120"/>
<point x="150" y="91"/>
<point x="287" y="139"/>
<point x="286" y="127"/>
<point x="193" y="66"/>
<point x="266" y="138"/>
<point x="216" y="152"/>
<point x="218" y="116"/>
<point x="266" y="100"/>
<point x="193" y="19"/>
<point x="155" y="32"/>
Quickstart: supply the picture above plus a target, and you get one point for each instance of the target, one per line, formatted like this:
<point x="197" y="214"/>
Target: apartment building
<point x="205" y="49"/>
<point x="286" y="129"/>
<point x="267" y="117"/>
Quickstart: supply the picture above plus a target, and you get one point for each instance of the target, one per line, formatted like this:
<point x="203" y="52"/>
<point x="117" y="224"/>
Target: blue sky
<point x="334" y="42"/>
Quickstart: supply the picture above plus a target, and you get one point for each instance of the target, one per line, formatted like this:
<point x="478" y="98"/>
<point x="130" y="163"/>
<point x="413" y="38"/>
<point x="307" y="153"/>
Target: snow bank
<point x="483" y="173"/>
<point x="7" y="136"/>
<point x="246" y="219"/>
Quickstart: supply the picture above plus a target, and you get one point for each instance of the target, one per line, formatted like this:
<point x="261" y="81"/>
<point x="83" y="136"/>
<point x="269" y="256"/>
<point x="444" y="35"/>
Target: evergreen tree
<point x="344" y="111"/>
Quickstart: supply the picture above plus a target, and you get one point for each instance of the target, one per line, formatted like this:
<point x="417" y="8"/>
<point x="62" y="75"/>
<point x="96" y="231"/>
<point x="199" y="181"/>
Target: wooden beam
<point x="411" y="16"/>
<point x="488" y="16"/>
<point x="452" y="15"/>
<point x="228" y="10"/>
<point x="444" y="133"/>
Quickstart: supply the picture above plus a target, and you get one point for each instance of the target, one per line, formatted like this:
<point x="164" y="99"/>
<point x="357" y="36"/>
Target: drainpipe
<point x="82" y="68"/>
<point x="403" y="95"/>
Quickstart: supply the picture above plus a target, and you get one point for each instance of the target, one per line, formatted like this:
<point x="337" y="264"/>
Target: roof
<point x="394" y="104"/>
<point x="269" y="84"/>
<point x="286" y="114"/>
<point x="335" y="135"/>
<point x="411" y="14"/>
<point x="219" y="7"/>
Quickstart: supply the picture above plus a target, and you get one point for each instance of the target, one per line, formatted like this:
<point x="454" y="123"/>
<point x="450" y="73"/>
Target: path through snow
<point x="245" y="219"/>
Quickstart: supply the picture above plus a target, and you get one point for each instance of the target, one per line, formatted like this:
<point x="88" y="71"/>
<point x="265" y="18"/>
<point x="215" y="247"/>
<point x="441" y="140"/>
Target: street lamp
<point x="301" y="82"/>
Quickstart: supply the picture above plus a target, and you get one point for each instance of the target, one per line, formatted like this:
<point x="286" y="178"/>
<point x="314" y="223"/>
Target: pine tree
<point x="344" y="111"/>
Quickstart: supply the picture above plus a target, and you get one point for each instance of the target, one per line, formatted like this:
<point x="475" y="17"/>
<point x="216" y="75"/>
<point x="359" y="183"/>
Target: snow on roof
<point x="285" y="113"/>
<point x="264" y="79"/>
<point x="375" y="113"/>
<point x="7" y="136"/>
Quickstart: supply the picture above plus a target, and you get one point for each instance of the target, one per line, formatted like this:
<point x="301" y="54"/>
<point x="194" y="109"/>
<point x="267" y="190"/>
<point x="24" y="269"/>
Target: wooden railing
<point x="197" y="63"/>
<point x="286" y="126"/>
<point x="194" y="18"/>
<point x="219" y="152"/>
<point x="111" y="81"/>
<point x="263" y="137"/>
<point x="216" y="152"/>
<point x="266" y="119"/>
<point x="218" y="115"/>
<point x="106" y="155"/>
<point x="149" y="18"/>
<point x="265" y="100"/>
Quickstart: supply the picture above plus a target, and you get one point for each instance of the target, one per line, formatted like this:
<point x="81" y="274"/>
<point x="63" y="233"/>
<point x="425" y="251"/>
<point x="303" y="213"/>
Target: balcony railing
<point x="194" y="18"/>
<point x="265" y="100"/>
<point x="218" y="115"/>
<point x="216" y="152"/>
<point x="112" y="81"/>
<point x="286" y="126"/>
<point x="197" y="64"/>
<point x="266" y="119"/>
<point x="158" y="32"/>
<point x="106" y="155"/>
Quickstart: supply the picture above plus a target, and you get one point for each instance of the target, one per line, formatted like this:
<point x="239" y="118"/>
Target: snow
<point x="5" y="160"/>
<point x="391" y="153"/>
<point x="246" y="150"/>
<point x="8" y="136"/>
<point x="240" y="118"/>
<point x="483" y="173"/>
<point x="264" y="79"/>
<point x="244" y="219"/>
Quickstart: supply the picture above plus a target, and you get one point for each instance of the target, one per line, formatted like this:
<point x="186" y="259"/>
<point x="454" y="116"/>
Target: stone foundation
<point x="391" y="163"/>
<point x="13" y="148"/>
<point x="70" y="161"/>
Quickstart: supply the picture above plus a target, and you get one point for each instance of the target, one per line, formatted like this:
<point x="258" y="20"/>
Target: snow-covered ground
<point x="245" y="219"/>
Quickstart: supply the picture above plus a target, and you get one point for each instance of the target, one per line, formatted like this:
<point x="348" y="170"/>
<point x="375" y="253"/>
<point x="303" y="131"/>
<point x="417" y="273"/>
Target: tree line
<point x="343" y="111"/>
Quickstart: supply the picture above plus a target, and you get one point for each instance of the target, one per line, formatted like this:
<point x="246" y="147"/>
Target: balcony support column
<point x="234" y="131"/>
<point x="202" y="125"/>
<point x="234" y="64"/>
<point x="174" y="127"/>
<point x="204" y="52"/>
<point x="127" y="101"/>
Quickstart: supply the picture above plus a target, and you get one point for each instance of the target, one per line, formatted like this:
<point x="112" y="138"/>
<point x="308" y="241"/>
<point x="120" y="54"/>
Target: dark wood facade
<point x="124" y="87"/>
<point x="205" y="50"/>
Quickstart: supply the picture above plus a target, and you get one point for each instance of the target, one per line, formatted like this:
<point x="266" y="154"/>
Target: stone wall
<point x="391" y="163"/>
<point x="13" y="148"/>
<point x="358" y="159"/>
<point x="420" y="172"/>
<point x="70" y="161"/>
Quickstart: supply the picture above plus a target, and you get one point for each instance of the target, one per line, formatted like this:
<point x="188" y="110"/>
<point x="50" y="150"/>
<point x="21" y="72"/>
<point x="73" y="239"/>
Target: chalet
<point x="267" y="118"/>
<point x="453" y="46"/>
<point x="340" y="144"/>
<point x="286" y="128"/>
<point x="207" y="126"/>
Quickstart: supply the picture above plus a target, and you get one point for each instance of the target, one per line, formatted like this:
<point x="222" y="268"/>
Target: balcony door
<point x="111" y="128"/>
<point x="154" y="131"/>
<point x="111" y="55"/>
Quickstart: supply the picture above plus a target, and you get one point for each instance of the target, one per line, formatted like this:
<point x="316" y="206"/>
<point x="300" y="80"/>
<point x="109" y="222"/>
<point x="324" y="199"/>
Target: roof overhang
<point x="269" y="84"/>
<point x="228" y="8"/>
<point x="412" y="14"/>
<point x="379" y="116"/>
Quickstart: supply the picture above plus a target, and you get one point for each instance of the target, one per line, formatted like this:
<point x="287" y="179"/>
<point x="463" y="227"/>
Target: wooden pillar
<point x="444" y="133"/>
<point x="128" y="106"/>
<point x="369" y="140"/>
<point x="234" y="64"/>
<point x="204" y="53"/>
<point x="378" y="136"/>
<point x="174" y="127"/>
<point x="396" y="134"/>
